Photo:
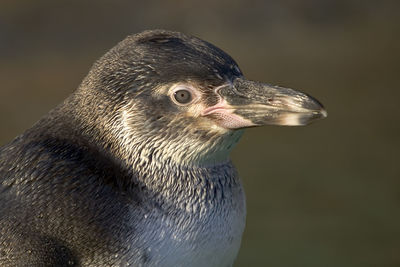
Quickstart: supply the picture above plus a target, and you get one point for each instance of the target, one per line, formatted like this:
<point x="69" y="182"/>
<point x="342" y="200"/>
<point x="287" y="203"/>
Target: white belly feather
<point x="202" y="232"/>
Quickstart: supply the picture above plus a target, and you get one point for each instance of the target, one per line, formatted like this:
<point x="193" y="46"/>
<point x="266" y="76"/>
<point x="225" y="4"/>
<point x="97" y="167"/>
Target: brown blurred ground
<point x="323" y="195"/>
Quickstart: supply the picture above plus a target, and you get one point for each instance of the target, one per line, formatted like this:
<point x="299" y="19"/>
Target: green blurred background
<point x="323" y="195"/>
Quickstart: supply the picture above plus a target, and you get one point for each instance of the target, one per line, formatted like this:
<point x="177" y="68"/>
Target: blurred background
<point x="323" y="195"/>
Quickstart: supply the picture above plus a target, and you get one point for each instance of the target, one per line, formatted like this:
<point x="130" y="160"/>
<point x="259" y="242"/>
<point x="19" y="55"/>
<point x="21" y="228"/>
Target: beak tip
<point x="301" y="119"/>
<point x="323" y="113"/>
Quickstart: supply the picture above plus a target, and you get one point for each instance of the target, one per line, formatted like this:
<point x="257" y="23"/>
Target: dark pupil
<point x="183" y="96"/>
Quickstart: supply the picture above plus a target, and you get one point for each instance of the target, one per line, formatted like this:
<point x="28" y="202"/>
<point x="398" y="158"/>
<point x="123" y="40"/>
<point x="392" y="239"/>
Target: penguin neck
<point x="176" y="187"/>
<point x="140" y="148"/>
<point x="170" y="168"/>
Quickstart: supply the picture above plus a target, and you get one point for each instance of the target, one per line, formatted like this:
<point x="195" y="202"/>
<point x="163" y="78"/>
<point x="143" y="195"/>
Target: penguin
<point x="133" y="168"/>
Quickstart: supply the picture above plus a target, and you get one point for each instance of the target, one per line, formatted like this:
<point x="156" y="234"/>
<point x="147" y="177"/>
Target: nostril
<point x="270" y="100"/>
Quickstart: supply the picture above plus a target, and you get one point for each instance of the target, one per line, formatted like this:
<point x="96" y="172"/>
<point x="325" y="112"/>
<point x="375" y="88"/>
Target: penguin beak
<point x="247" y="103"/>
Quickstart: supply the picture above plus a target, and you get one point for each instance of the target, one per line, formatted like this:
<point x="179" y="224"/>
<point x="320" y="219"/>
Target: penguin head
<point x="185" y="100"/>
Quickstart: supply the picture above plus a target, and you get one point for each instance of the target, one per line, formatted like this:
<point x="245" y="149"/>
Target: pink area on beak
<point x="224" y="116"/>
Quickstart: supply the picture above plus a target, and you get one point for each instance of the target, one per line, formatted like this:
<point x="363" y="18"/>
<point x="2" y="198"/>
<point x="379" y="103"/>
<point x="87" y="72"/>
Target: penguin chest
<point x="199" y="233"/>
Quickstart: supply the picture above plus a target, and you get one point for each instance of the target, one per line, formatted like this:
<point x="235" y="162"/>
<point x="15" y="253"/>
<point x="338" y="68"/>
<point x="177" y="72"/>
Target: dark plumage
<point x="133" y="168"/>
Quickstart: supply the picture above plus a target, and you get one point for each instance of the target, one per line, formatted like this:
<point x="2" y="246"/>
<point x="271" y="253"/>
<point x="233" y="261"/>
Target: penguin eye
<point x="183" y="96"/>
